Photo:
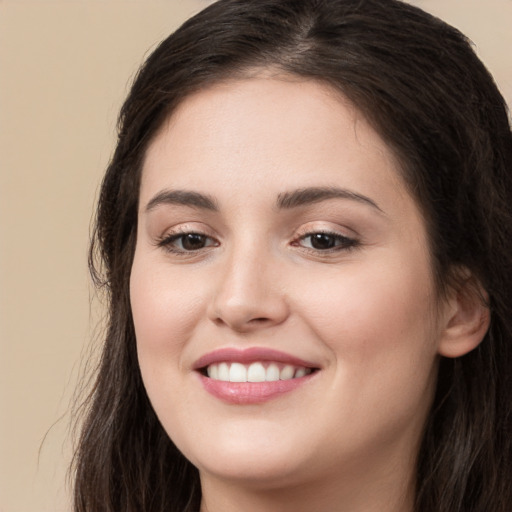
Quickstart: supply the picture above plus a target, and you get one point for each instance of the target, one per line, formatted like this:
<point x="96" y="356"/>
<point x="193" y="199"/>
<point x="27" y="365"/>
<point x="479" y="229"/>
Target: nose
<point x="248" y="295"/>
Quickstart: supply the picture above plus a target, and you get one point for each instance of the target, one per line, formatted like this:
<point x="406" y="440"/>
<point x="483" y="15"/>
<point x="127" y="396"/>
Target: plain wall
<point x="64" y="69"/>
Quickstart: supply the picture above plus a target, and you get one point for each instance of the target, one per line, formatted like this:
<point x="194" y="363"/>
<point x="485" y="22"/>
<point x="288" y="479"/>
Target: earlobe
<point x="467" y="319"/>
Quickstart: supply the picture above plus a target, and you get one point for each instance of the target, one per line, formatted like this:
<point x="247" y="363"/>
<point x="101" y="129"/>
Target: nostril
<point x="243" y="313"/>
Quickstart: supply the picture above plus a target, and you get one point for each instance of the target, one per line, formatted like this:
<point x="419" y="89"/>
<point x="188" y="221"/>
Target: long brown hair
<point x="419" y="83"/>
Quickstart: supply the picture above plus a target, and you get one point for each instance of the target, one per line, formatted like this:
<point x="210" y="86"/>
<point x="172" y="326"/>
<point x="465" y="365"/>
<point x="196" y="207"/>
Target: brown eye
<point x="193" y="241"/>
<point x="321" y="241"/>
<point x="186" y="242"/>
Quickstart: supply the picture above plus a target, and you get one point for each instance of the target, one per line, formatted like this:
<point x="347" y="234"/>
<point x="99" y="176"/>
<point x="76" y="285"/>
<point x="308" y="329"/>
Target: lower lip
<point x="251" y="392"/>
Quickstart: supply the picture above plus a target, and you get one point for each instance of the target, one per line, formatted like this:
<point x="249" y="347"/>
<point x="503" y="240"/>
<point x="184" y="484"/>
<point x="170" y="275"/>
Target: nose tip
<point x="248" y="298"/>
<point x="247" y="317"/>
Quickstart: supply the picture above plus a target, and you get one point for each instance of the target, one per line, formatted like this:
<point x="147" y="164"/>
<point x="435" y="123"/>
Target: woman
<point x="306" y="237"/>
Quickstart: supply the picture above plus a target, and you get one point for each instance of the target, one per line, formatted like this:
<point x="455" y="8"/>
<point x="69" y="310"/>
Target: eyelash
<point x="341" y="242"/>
<point x="167" y="242"/>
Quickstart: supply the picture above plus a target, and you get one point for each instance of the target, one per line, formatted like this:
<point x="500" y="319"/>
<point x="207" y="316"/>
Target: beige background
<point x="64" y="69"/>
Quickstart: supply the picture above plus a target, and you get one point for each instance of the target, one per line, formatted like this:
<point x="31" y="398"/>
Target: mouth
<point x="258" y="371"/>
<point x="253" y="375"/>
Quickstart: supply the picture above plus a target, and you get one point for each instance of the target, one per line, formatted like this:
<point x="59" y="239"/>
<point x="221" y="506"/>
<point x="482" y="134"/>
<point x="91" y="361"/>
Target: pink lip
<point x="250" y="355"/>
<point x="250" y="392"/>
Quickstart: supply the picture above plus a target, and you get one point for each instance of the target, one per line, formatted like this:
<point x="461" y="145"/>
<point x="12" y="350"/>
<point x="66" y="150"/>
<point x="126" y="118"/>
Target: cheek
<point x="378" y="319"/>
<point x="373" y="301"/>
<point x="382" y="338"/>
<point x="165" y="312"/>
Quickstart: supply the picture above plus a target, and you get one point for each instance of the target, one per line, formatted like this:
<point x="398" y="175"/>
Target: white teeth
<point x="272" y="372"/>
<point x="286" y="373"/>
<point x="255" y="372"/>
<point x="301" y="372"/>
<point x="223" y="373"/>
<point x="237" y="373"/>
<point x="213" y="371"/>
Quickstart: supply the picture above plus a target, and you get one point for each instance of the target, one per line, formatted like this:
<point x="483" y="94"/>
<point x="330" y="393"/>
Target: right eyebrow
<point x="310" y="195"/>
<point x="183" y="197"/>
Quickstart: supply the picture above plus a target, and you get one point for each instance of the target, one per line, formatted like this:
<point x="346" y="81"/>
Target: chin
<point x="265" y="460"/>
<point x="254" y="472"/>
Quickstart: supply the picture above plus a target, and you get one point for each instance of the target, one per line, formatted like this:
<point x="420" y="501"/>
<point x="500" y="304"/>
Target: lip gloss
<point x="251" y="392"/>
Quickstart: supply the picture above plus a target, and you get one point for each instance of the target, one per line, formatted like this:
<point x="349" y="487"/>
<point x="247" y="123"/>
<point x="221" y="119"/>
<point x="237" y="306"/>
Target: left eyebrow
<point x="183" y="197"/>
<point x="311" y="195"/>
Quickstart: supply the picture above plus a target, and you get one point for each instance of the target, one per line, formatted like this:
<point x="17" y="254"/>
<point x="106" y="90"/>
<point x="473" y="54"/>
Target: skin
<point x="367" y="313"/>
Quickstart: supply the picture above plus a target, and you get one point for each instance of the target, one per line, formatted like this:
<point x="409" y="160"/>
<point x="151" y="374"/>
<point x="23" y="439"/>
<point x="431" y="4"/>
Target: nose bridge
<point x="248" y="294"/>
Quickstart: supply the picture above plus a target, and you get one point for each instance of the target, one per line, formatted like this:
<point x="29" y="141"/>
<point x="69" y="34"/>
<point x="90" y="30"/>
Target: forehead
<point x="281" y="131"/>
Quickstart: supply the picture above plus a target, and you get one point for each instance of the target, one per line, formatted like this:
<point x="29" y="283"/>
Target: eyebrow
<point x="183" y="197"/>
<point x="311" y="195"/>
<point x="285" y="200"/>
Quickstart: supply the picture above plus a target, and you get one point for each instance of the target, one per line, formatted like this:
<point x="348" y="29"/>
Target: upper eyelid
<point x="311" y="228"/>
<point x="297" y="233"/>
<point x="166" y="242"/>
<point x="169" y="234"/>
<point x="349" y="238"/>
<point x="326" y="232"/>
<point x="187" y="227"/>
<point x="179" y="233"/>
<point x="308" y="228"/>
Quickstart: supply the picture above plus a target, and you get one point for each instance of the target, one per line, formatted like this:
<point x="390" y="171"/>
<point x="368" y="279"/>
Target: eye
<point x="325" y="241"/>
<point x="186" y="242"/>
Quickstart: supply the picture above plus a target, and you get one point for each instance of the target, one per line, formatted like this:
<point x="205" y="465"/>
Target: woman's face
<point x="279" y="248"/>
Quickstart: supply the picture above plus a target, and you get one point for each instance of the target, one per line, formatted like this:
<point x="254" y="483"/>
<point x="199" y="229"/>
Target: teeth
<point x="287" y="372"/>
<point x="255" y="372"/>
<point x="213" y="371"/>
<point x="223" y="372"/>
<point x="237" y="373"/>
<point x="272" y="372"/>
<point x="300" y="373"/>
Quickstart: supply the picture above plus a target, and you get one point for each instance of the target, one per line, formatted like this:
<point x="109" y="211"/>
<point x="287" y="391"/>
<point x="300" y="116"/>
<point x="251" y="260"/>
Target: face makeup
<point x="281" y="289"/>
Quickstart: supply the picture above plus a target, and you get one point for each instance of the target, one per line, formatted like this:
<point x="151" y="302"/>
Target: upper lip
<point x="250" y="355"/>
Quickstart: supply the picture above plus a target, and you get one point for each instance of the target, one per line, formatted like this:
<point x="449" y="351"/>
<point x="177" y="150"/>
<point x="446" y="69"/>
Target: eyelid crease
<point x="328" y="228"/>
<point x="348" y="242"/>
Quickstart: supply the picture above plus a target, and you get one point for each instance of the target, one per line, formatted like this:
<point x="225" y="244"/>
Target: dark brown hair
<point x="421" y="86"/>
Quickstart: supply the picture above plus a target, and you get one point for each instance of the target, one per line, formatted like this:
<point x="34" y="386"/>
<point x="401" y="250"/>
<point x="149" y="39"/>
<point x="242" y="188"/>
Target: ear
<point x="466" y="317"/>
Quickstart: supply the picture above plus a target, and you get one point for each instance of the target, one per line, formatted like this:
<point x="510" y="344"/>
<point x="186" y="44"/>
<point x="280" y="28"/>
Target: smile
<point x="259" y="371"/>
<point x="253" y="375"/>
